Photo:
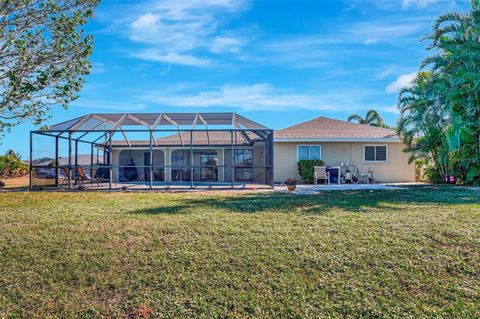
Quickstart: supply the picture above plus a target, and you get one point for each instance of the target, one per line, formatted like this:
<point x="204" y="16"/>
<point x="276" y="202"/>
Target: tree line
<point x="440" y="112"/>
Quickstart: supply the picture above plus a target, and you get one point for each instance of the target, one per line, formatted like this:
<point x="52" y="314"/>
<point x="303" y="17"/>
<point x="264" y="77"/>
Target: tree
<point x="372" y="118"/>
<point x="455" y="40"/>
<point x="440" y="113"/>
<point x="11" y="152"/>
<point x="11" y="165"/>
<point x="422" y="119"/>
<point x="43" y="56"/>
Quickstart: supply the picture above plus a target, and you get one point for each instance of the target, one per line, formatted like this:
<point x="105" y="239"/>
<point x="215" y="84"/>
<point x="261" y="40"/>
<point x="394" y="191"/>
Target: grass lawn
<point x="403" y="253"/>
<point x="17" y="182"/>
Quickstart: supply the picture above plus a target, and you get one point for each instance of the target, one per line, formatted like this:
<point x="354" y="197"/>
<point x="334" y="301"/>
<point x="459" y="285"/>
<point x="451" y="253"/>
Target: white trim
<point x="386" y="151"/>
<point x="310" y="145"/>
<point x="368" y="140"/>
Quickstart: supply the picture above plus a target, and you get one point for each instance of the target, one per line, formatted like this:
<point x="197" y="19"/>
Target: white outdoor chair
<point x="320" y="172"/>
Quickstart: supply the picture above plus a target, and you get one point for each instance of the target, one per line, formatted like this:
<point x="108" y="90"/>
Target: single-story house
<point x="215" y="148"/>
<point x="340" y="143"/>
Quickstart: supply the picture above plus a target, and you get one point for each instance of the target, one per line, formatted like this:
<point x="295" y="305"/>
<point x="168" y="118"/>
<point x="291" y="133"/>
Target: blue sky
<point x="278" y="62"/>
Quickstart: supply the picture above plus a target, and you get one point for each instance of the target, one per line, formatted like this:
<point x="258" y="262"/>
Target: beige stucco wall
<point x="396" y="169"/>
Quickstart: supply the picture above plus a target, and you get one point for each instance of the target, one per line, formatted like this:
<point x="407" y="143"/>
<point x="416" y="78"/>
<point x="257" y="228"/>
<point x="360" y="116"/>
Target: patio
<point x="304" y="189"/>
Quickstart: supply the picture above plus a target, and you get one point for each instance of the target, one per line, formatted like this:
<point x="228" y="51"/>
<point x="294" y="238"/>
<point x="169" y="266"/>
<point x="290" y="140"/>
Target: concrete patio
<point x="314" y="189"/>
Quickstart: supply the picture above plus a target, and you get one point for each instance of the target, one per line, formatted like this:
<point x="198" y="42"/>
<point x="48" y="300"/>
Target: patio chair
<point x="66" y="178"/>
<point x="320" y="172"/>
<point x="82" y="177"/>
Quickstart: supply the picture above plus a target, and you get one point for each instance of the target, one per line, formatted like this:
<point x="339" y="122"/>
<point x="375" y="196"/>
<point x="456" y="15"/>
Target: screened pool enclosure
<point x="152" y="150"/>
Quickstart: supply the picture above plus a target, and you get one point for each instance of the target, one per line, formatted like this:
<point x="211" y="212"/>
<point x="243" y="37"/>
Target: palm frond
<point x="355" y="117"/>
<point x="450" y="17"/>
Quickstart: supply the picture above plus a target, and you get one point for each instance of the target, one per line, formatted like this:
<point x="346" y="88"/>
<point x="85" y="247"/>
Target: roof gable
<point x="332" y="129"/>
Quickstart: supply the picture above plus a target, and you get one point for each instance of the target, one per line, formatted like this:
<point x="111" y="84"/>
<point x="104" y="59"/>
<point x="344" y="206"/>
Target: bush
<point x="432" y="175"/>
<point x="290" y="182"/>
<point x="305" y="169"/>
<point x="12" y="166"/>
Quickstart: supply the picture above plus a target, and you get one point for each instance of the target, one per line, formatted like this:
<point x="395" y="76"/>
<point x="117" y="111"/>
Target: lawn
<point x="403" y="253"/>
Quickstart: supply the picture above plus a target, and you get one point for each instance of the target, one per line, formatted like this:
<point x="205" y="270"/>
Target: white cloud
<point x="385" y="31"/>
<point x="109" y="105"/>
<point x="259" y="97"/>
<point x="225" y="44"/>
<point x="146" y="22"/>
<point x="384" y="72"/>
<point x="404" y="4"/>
<point x="172" y="58"/>
<point x="404" y="80"/>
<point x="98" y="67"/>
<point x="177" y="30"/>
<point x="418" y="3"/>
<point x="349" y="42"/>
<point x="370" y="41"/>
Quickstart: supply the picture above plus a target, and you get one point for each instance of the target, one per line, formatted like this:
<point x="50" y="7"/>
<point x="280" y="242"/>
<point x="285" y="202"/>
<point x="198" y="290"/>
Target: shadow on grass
<point x="351" y="200"/>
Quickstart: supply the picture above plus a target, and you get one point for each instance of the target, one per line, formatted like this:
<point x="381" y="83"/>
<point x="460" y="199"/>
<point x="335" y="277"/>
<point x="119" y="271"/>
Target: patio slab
<point x="312" y="189"/>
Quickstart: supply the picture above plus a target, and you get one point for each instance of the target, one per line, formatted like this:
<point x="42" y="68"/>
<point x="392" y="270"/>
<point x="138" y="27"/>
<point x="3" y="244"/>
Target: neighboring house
<point x="371" y="149"/>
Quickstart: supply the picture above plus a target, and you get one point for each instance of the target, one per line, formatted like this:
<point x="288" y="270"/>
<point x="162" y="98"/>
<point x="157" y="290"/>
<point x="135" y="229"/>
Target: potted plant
<point x="291" y="184"/>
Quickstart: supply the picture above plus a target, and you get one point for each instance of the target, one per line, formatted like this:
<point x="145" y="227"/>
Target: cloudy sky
<point x="276" y="61"/>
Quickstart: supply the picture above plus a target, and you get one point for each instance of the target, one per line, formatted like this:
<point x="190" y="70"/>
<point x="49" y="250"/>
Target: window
<point x="309" y="152"/>
<point x="180" y="158"/>
<point x="375" y="153"/>
<point x="243" y="174"/>
<point x="243" y="164"/>
<point x="243" y="157"/>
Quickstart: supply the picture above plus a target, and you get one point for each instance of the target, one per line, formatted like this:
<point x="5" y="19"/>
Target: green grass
<point x="406" y="253"/>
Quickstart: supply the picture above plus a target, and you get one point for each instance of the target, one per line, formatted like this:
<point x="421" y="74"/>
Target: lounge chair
<point x="82" y="177"/>
<point x="66" y="178"/>
<point x="320" y="172"/>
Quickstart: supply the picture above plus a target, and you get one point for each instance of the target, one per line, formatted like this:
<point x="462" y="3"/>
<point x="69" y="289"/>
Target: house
<point x="365" y="147"/>
<point x="216" y="148"/>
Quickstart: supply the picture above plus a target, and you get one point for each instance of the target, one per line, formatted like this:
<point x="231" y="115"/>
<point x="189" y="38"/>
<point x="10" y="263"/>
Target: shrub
<point x="12" y="166"/>
<point x="305" y="169"/>
<point x="290" y="182"/>
<point x="432" y="175"/>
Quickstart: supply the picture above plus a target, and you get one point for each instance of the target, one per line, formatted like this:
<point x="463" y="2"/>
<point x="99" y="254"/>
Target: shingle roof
<point x="199" y="138"/>
<point x="327" y="128"/>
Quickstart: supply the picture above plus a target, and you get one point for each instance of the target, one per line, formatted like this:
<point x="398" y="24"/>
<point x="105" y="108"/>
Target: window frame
<point x="308" y="145"/>
<point x="375" y="153"/>
<point x="243" y="167"/>
<point x="243" y="150"/>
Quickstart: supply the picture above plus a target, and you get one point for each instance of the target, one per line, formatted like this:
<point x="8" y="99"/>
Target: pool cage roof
<point x="156" y="121"/>
<point x="202" y="123"/>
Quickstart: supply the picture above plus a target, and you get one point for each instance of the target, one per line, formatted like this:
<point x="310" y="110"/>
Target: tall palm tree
<point x="423" y="116"/>
<point x="456" y="63"/>
<point x="372" y="118"/>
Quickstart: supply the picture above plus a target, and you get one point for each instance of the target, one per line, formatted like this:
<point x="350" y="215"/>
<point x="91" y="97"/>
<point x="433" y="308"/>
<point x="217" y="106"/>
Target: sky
<point x="278" y="62"/>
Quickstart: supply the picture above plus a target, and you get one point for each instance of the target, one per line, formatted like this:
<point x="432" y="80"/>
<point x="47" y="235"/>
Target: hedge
<point x="12" y="166"/>
<point x="305" y="169"/>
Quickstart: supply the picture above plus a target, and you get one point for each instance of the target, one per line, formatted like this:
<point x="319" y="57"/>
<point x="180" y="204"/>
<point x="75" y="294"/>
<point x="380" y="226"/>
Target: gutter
<point x="350" y="140"/>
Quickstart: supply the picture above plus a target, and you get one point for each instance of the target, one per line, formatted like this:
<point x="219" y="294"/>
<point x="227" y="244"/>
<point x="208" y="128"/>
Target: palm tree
<point x="372" y="118"/>
<point x="423" y="116"/>
<point x="456" y="63"/>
